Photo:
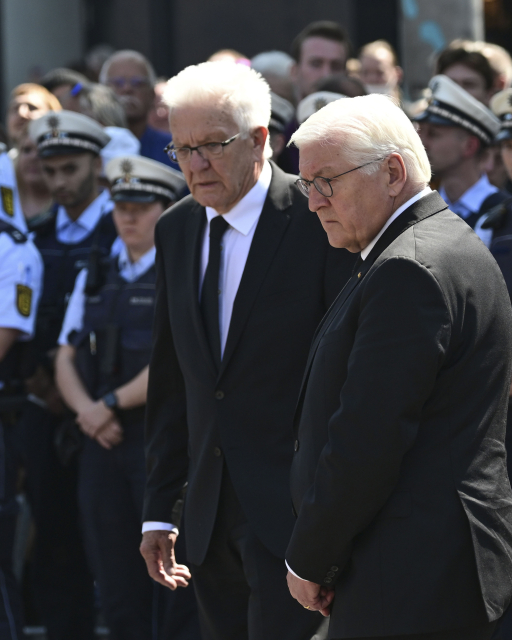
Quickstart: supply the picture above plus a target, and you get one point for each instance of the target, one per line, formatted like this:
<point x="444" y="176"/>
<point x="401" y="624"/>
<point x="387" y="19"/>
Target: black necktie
<point x="210" y="291"/>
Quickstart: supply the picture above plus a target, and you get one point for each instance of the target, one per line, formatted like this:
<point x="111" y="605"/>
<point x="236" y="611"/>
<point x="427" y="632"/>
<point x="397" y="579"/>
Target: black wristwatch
<point x="110" y="400"/>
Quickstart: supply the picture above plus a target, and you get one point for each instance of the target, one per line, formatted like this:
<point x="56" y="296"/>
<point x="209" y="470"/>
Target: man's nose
<point x="24" y="111"/>
<point x="197" y="162"/>
<point x="316" y="200"/>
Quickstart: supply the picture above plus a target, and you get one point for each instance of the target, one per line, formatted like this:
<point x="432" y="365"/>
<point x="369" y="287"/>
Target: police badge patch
<point x="7" y="200"/>
<point x="23" y="299"/>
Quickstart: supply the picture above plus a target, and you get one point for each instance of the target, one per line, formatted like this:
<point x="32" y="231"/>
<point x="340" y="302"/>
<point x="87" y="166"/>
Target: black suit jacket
<point x="199" y="419"/>
<point x="399" y="481"/>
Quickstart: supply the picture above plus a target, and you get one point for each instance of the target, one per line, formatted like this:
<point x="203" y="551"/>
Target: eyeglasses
<point x="323" y="185"/>
<point x="136" y="82"/>
<point x="207" y="151"/>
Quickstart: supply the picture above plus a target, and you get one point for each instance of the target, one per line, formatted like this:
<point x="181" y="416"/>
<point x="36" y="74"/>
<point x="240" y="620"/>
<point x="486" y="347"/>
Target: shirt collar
<point x="140" y="266"/>
<point x="473" y="198"/>
<point x="90" y="217"/>
<point x="244" y="215"/>
<point x="366" y="251"/>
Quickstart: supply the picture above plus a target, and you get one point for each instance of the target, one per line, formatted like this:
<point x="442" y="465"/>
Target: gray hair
<point x="368" y="129"/>
<point x="127" y="54"/>
<point x="102" y="104"/>
<point x="241" y="89"/>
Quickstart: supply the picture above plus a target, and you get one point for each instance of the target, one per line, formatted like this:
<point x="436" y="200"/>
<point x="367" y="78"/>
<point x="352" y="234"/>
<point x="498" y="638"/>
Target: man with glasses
<point x="244" y="275"/>
<point x="133" y="79"/>
<point x="404" y="525"/>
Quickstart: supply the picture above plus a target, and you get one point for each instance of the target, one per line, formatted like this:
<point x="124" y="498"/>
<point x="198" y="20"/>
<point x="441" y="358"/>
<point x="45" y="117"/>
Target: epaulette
<point x="16" y="234"/>
<point x="496" y="215"/>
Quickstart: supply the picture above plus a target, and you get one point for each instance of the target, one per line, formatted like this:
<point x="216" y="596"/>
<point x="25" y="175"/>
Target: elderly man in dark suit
<point x="244" y="275"/>
<point x="404" y="525"/>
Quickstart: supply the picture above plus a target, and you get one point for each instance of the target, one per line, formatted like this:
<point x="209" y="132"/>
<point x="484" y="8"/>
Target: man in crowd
<point x="457" y="130"/>
<point x="21" y="270"/>
<point x="404" y="505"/>
<point x="469" y="69"/>
<point x="380" y="72"/>
<point x="80" y="230"/>
<point x="133" y="79"/>
<point x="27" y="102"/>
<point x="244" y="275"/>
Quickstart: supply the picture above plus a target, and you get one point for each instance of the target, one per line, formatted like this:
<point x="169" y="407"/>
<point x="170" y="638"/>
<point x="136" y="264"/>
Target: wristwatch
<point x="110" y="400"/>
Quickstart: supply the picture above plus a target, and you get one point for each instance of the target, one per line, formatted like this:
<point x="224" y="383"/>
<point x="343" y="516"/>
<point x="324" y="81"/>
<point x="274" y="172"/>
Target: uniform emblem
<point x="7" y="200"/>
<point x="23" y="299"/>
<point x="320" y="103"/>
<point x="54" y="124"/>
<point x="127" y="169"/>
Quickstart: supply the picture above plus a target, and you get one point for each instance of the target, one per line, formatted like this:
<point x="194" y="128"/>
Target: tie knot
<point x="218" y="226"/>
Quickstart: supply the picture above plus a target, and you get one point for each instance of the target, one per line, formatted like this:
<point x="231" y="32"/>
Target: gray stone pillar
<point x="427" y="26"/>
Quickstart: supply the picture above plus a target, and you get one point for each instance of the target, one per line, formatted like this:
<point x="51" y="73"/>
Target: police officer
<point x="457" y="130"/>
<point x="102" y="372"/>
<point x="79" y="230"/>
<point x="21" y="271"/>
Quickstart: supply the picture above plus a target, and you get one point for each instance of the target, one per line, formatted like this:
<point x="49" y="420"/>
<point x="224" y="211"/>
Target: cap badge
<point x="54" y="124"/>
<point x="320" y="103"/>
<point x="127" y="169"/>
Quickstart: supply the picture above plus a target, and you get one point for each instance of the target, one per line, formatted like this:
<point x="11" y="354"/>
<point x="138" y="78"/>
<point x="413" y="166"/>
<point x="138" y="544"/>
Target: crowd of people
<point x="225" y="313"/>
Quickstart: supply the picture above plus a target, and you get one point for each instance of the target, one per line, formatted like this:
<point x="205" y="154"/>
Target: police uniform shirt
<point x="74" y="231"/>
<point x="470" y="202"/>
<point x="129" y="271"/>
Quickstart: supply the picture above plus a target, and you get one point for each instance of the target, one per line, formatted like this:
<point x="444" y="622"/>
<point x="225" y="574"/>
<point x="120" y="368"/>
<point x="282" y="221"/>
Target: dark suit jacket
<point x="241" y="416"/>
<point x="399" y="479"/>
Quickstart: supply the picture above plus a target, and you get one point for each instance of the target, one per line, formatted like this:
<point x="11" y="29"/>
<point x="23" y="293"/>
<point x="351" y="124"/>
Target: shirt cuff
<point x="150" y="525"/>
<point x="293" y="572"/>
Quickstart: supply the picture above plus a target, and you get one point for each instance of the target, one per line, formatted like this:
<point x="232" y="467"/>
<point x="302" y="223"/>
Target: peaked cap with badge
<point x="139" y="179"/>
<point x="282" y="113"/>
<point x="65" y="132"/>
<point x="451" y="105"/>
<point x="501" y="105"/>
<point x="314" y="102"/>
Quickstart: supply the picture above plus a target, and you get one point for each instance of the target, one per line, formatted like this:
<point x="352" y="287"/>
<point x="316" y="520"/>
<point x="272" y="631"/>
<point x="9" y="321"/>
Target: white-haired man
<point x="244" y="275"/>
<point x="404" y="524"/>
<point x="133" y="79"/>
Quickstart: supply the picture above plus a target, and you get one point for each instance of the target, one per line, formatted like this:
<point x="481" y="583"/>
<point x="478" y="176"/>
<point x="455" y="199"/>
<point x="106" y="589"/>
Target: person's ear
<point x="472" y="146"/>
<point x="397" y="174"/>
<point x="97" y="166"/>
<point x="259" y="137"/>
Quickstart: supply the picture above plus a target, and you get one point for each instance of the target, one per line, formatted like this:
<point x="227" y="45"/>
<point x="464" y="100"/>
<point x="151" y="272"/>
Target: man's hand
<point x="157" y="549"/>
<point x="310" y="595"/>
<point x="110" y="435"/>
<point x="93" y="416"/>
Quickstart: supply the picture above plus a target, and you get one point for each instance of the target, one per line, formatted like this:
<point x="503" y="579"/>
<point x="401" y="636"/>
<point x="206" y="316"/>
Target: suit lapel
<point x="421" y="209"/>
<point x="195" y="231"/>
<point x="271" y="227"/>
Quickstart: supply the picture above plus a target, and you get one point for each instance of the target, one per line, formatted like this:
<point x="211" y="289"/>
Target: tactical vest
<point x="62" y="263"/>
<point x="115" y="342"/>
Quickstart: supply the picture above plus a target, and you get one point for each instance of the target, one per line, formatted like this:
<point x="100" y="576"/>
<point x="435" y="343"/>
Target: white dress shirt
<point x="74" y="231"/>
<point x="129" y="271"/>
<point x="470" y="202"/>
<point x="236" y="242"/>
<point x="366" y="252"/>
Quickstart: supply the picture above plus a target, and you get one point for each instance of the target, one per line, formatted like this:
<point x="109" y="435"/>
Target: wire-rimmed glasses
<point x="323" y="185"/>
<point x="207" y="151"/>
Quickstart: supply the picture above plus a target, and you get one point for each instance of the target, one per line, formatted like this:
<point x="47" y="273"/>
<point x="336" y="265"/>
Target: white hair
<point x="368" y="129"/>
<point x="236" y="87"/>
<point x="127" y="54"/>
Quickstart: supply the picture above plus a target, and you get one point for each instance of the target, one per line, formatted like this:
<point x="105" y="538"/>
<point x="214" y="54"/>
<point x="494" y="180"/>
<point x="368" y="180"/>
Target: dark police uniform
<point x="111" y="329"/>
<point x="21" y="270"/>
<point x="63" y="584"/>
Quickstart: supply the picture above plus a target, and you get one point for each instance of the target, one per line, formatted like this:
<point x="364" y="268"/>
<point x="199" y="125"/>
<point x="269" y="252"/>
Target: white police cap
<point x="282" y="112"/>
<point x="451" y="105"/>
<point x="501" y="105"/>
<point x="314" y="102"/>
<point x="66" y="132"/>
<point x="139" y="179"/>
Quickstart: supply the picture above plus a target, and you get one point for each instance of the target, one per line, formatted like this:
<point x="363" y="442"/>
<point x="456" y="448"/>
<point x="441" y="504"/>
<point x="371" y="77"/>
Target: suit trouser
<point x="10" y="603"/>
<point x="111" y="492"/>
<point x="482" y="632"/>
<point x="63" y="584"/>
<point x="241" y="587"/>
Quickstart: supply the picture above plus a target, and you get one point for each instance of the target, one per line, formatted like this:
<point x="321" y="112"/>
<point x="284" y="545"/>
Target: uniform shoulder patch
<point x="23" y="299"/>
<point x="7" y="200"/>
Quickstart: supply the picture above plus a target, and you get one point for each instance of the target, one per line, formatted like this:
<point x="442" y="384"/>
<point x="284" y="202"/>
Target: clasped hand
<point x="311" y="595"/>
<point x="100" y="423"/>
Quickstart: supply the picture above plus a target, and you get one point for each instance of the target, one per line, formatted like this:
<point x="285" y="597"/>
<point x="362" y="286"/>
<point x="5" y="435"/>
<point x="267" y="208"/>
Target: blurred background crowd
<point x="131" y="49"/>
